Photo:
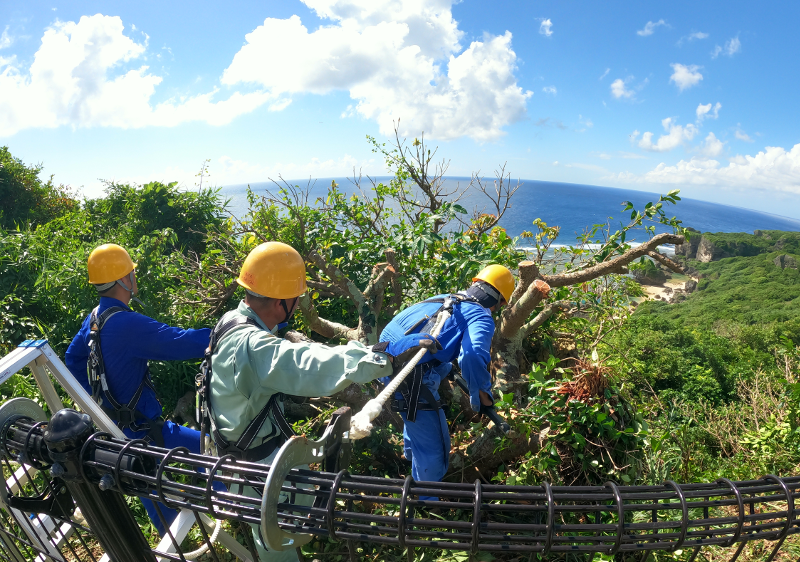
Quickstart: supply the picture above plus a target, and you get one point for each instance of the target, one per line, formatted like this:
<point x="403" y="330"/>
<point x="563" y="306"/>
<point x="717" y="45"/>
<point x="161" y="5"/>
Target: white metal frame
<point x="40" y="358"/>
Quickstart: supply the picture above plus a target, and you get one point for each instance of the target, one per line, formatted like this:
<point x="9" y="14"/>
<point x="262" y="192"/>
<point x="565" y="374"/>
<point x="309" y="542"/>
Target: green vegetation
<point x="745" y="291"/>
<point x="43" y="288"/>
<point x="719" y="370"/>
<point x="762" y="242"/>
<point x="692" y="391"/>
<point x="24" y="198"/>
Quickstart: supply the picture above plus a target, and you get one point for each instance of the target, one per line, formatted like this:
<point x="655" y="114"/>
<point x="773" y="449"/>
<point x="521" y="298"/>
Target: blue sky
<point x="651" y="96"/>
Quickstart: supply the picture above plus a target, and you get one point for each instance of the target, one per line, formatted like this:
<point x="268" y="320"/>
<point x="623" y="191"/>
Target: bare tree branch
<point x="338" y="278"/>
<point x="325" y="328"/>
<point x="613" y="265"/>
<point x="326" y="289"/>
<point x="543" y="316"/>
<point x="661" y="258"/>
<point x="499" y="196"/>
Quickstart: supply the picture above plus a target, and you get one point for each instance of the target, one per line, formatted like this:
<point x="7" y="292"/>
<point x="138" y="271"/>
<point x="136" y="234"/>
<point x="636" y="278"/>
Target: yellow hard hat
<point x="108" y="263"/>
<point x="275" y="270"/>
<point x="499" y="277"/>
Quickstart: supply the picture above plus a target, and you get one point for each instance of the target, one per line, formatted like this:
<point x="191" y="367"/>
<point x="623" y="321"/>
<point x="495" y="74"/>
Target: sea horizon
<point x="571" y="206"/>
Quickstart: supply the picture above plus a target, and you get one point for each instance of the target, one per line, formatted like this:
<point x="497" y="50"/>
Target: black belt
<point x="253" y="454"/>
<point x="412" y="389"/>
<point x="402" y="406"/>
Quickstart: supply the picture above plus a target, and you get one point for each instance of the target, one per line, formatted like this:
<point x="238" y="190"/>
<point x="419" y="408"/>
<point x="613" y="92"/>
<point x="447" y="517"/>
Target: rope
<point x="211" y="540"/>
<point x="361" y="423"/>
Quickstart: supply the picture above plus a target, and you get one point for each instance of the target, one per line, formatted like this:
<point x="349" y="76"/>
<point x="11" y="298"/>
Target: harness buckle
<point x="125" y="417"/>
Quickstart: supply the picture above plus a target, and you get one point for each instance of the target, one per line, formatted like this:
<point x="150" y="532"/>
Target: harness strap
<point x="126" y="416"/>
<point x="241" y="448"/>
<point x="412" y="388"/>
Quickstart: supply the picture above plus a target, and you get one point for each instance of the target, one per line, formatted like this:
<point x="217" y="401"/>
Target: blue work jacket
<point x="128" y="340"/>
<point x="467" y="335"/>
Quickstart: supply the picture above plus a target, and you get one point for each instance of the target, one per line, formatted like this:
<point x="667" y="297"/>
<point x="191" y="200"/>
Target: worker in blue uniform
<point x="117" y="374"/>
<point x="466" y="336"/>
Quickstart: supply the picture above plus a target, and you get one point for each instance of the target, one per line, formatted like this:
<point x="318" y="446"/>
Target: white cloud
<point x="774" y="168"/>
<point x="550" y="90"/>
<point x="741" y="135"/>
<point x="704" y="112"/>
<point x="229" y="170"/>
<point x="676" y="135"/>
<point x="398" y="60"/>
<point x="732" y="46"/>
<point x="632" y="155"/>
<point x="685" y="76"/>
<point x="225" y="170"/>
<point x="78" y="77"/>
<point x="605" y="73"/>
<point x="590" y="167"/>
<point x="650" y="28"/>
<point x="5" y="39"/>
<point x="712" y="147"/>
<point x="546" y="27"/>
<point x="696" y="36"/>
<point x="280" y="104"/>
<point x="619" y="91"/>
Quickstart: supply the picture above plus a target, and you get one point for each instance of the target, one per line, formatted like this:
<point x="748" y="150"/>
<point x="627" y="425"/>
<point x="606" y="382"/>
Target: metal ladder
<point x="40" y="358"/>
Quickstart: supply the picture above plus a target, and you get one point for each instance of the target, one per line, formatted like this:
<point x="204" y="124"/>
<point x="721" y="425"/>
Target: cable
<point x="361" y="423"/>
<point x="211" y="540"/>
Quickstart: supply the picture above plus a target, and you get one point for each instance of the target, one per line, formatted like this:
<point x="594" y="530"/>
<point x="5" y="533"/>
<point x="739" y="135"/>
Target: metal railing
<point x="494" y="518"/>
<point x="66" y="485"/>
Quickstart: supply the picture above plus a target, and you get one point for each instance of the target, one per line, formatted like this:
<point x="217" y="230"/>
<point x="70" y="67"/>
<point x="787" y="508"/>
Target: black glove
<point x="402" y="350"/>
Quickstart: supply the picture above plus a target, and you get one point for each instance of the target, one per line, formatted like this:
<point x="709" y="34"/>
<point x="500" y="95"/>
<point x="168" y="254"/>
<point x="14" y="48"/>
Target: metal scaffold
<point x="65" y="479"/>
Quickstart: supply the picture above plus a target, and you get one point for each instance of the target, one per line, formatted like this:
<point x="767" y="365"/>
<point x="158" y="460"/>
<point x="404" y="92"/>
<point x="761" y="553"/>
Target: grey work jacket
<point x="251" y="364"/>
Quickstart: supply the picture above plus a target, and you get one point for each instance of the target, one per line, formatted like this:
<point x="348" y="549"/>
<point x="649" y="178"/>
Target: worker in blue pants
<point x="466" y="336"/>
<point x="117" y="375"/>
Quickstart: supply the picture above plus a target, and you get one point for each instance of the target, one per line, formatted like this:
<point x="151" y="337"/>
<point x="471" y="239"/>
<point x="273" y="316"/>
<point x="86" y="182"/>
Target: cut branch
<point x="614" y="265"/>
<point x="338" y="278"/>
<point x="664" y="260"/>
<point x="515" y="315"/>
<point x="542" y="317"/>
<point x="380" y="275"/>
<point x="325" y="328"/>
<point x="397" y="291"/>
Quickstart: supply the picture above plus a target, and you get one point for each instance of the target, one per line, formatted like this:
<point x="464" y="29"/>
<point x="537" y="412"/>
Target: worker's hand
<point x="486" y="400"/>
<point x="401" y="351"/>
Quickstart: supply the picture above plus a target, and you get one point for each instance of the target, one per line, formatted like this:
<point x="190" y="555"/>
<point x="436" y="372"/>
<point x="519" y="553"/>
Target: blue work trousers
<point x="174" y="436"/>
<point x="426" y="442"/>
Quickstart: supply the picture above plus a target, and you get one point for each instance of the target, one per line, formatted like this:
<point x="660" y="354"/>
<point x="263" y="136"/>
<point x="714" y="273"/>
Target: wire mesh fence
<point x="545" y="520"/>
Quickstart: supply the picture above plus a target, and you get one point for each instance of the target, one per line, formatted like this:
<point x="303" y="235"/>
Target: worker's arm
<point x="310" y="368"/>
<point x="77" y="356"/>
<point x="154" y="340"/>
<point x="475" y="356"/>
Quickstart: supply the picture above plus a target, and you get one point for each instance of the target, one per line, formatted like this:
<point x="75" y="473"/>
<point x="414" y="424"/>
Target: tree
<point x="378" y="247"/>
<point x="25" y="198"/>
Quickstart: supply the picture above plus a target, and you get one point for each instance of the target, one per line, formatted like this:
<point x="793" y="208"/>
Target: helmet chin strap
<point x="288" y="310"/>
<point x="130" y="289"/>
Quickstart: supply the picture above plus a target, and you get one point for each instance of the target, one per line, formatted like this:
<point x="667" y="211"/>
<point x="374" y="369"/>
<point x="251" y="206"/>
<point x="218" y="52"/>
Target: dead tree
<point x="368" y="303"/>
<point x="515" y="323"/>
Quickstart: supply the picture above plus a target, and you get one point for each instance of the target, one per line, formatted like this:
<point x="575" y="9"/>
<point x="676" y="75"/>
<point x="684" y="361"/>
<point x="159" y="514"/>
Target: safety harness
<point x="205" y="414"/>
<point x="412" y="389"/>
<point x="126" y="416"/>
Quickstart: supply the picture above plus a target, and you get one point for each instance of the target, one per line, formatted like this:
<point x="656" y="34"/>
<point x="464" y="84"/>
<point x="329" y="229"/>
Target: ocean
<point x="573" y="207"/>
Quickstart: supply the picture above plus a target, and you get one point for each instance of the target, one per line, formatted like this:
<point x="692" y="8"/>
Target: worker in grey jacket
<point x="252" y="368"/>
